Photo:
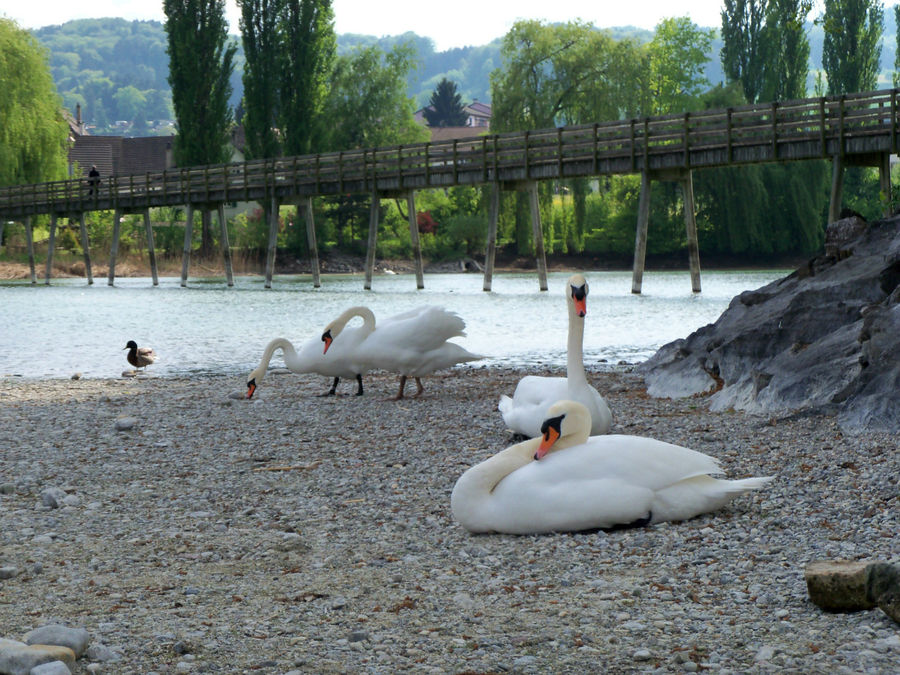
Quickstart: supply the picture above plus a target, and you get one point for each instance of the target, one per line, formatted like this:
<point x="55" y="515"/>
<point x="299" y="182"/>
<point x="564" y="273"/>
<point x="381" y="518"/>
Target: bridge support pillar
<point x="29" y="240"/>
<point x="50" y="246"/>
<point x="640" y="238"/>
<point x="373" y="238"/>
<point x="414" y="239"/>
<point x="85" y="248"/>
<point x="884" y="175"/>
<point x="151" y="247"/>
<point x="272" y="212"/>
<point x="690" y="224"/>
<point x="114" y="247"/>
<point x="311" y="241"/>
<point x="188" y="242"/>
<point x="493" y="217"/>
<point x="538" y="235"/>
<point x="226" y="246"/>
<point x="837" y="188"/>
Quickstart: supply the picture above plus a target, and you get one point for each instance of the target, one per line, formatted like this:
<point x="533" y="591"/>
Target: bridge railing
<point x="863" y="123"/>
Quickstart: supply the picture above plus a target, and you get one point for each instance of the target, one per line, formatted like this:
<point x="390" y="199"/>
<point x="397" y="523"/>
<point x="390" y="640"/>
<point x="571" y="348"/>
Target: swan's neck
<point x="474" y="487"/>
<point x="291" y="359"/>
<point x="574" y="348"/>
<point x="341" y="322"/>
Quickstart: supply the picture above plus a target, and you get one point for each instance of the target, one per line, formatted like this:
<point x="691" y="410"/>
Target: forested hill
<point x="117" y="69"/>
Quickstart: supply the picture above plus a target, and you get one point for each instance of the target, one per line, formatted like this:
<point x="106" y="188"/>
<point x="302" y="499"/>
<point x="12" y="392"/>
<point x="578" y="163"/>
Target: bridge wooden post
<point x="690" y="223"/>
<point x="414" y="239"/>
<point x="2" y="222"/>
<point x="272" y="212"/>
<point x="311" y="241"/>
<point x="373" y="239"/>
<point x="29" y="240"/>
<point x="226" y="246"/>
<point x="493" y="217"/>
<point x="85" y="248"/>
<point x="884" y="175"/>
<point x="538" y="235"/>
<point x="151" y="247"/>
<point x="837" y="188"/>
<point x="640" y="238"/>
<point x="50" y="244"/>
<point x="188" y="241"/>
<point x="114" y="248"/>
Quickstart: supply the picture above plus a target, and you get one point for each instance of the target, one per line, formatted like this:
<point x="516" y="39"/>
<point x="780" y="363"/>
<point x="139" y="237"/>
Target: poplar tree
<point x="308" y="50"/>
<point x="33" y="133"/>
<point x="851" y="50"/>
<point x="742" y="45"/>
<point x="261" y="78"/>
<point x="200" y="65"/>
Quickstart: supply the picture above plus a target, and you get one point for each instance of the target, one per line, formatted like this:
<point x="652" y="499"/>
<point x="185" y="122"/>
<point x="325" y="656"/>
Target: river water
<point x="207" y="328"/>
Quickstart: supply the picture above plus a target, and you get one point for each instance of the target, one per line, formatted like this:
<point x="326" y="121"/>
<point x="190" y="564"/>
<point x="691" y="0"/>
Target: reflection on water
<point x="69" y="327"/>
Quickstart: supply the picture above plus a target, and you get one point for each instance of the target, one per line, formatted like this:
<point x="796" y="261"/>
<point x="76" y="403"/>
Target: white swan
<point x="412" y="344"/>
<point x="524" y="412"/>
<point x="312" y="359"/>
<point x="566" y="481"/>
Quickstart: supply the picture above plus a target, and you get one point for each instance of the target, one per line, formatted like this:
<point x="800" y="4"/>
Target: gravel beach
<point x="189" y="531"/>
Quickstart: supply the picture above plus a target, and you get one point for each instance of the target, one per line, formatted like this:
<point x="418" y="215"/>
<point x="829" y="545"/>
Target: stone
<point x="883" y="588"/>
<point x="823" y="339"/>
<point x="125" y="423"/>
<point x="8" y="572"/>
<point x="17" y="658"/>
<point x="838" y="585"/>
<point x="53" y="497"/>
<point x="52" y="668"/>
<point x="76" y="639"/>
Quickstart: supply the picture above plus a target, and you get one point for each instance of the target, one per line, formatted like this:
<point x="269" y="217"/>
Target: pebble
<point x="313" y="534"/>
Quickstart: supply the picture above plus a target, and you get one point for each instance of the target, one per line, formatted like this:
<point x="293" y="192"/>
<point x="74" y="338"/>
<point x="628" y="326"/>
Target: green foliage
<point x="367" y="102"/>
<point x="33" y="134"/>
<point x="851" y="51"/>
<point x="677" y="54"/>
<point x="445" y="108"/>
<point x="262" y="46"/>
<point x="308" y="49"/>
<point x="93" y="59"/>
<point x="200" y="66"/>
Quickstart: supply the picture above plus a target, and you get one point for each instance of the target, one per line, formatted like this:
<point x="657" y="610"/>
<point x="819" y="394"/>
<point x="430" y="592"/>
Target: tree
<point x="445" y="107"/>
<point x="368" y="107"/>
<point x="261" y="77"/>
<point x="896" y="76"/>
<point x="677" y="55"/>
<point x="33" y="133"/>
<point x="308" y="51"/>
<point x="851" y="49"/>
<point x="200" y="65"/>
<point x="742" y="51"/>
<point x="785" y="50"/>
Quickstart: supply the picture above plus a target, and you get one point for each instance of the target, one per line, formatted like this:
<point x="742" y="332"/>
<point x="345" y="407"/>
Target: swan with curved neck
<point x="565" y="480"/>
<point x="312" y="359"/>
<point x="534" y="394"/>
<point x="411" y="344"/>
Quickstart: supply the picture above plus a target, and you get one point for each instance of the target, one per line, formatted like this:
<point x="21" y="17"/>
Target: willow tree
<point x="556" y="74"/>
<point x="851" y="49"/>
<point x="200" y="65"/>
<point x="33" y="133"/>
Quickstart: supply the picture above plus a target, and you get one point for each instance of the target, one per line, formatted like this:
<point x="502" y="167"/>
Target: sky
<point x="471" y="22"/>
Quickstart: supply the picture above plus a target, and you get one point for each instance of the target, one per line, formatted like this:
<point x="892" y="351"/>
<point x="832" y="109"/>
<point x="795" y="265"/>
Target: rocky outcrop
<point x="825" y="338"/>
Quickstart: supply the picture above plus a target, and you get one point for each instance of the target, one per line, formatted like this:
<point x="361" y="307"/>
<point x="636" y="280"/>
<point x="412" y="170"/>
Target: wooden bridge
<point x="858" y="129"/>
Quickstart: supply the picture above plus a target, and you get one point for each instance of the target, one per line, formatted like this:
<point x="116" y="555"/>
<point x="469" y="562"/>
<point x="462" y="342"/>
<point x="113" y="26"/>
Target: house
<point x="116" y="155"/>
<point x="477" y="124"/>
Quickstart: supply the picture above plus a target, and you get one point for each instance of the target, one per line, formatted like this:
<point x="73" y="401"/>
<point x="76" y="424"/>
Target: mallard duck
<point x="139" y="357"/>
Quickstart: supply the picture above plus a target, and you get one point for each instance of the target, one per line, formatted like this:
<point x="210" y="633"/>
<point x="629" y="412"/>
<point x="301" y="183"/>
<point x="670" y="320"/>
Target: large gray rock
<point x="825" y="338"/>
